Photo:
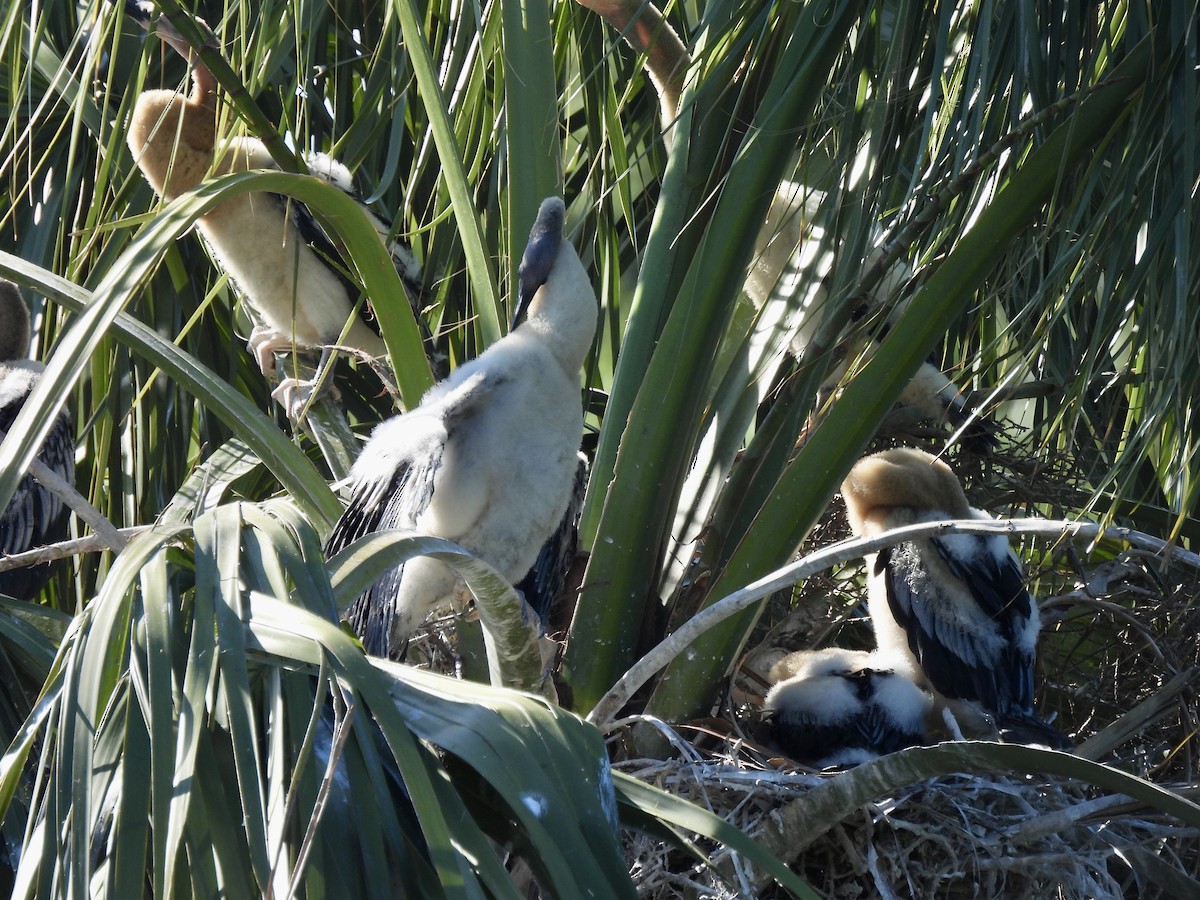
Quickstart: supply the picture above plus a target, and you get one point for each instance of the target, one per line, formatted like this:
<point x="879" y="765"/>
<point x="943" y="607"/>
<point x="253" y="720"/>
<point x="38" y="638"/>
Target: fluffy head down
<point x="901" y="477"/>
<point x="171" y="136"/>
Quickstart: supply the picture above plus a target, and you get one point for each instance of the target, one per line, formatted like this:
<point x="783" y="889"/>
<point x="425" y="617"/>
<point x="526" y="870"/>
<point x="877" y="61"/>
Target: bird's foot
<point x="295" y="395"/>
<point x="297" y="391"/>
<point x="952" y="724"/>
<point x="263" y="343"/>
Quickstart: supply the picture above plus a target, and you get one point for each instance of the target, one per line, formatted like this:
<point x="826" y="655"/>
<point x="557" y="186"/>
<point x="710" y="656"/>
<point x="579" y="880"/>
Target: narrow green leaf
<point x="810" y="480"/>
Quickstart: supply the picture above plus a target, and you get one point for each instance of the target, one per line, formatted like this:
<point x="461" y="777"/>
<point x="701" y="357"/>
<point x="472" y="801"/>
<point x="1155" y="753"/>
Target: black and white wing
<point x="394" y="482"/>
<point x="34" y="516"/>
<point x="957" y="660"/>
<point x="994" y="578"/>
<point x="390" y="494"/>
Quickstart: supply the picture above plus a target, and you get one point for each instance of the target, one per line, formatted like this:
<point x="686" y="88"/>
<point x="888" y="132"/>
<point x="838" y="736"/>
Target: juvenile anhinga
<point x="955" y="606"/>
<point x="489" y="458"/>
<point x="282" y="261"/>
<point x="843" y="707"/>
<point x="793" y="251"/>
<point x="34" y="516"/>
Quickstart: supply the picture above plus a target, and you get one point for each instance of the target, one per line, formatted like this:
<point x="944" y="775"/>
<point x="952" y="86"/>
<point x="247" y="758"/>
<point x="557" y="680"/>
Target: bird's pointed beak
<point x="164" y="29"/>
<point x="140" y="12"/>
<point x="522" y="310"/>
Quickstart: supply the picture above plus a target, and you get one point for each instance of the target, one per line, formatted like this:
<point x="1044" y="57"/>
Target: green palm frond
<point x="1032" y="170"/>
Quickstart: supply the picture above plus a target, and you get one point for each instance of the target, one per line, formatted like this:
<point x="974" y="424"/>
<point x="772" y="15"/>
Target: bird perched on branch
<point x="843" y="707"/>
<point x="284" y="263"/>
<point x="956" y="606"/>
<point x="489" y="458"/>
<point x="34" y="516"/>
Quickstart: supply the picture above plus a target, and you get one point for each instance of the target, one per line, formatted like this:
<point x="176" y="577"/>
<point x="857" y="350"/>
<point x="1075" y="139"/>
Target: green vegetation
<point x="169" y="710"/>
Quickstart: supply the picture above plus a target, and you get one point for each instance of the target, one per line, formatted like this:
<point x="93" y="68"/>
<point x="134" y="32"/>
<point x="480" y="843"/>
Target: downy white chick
<point x="843" y="707"/>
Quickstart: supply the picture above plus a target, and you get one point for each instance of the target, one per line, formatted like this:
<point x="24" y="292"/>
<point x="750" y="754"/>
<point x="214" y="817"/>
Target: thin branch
<point x="844" y="551"/>
<point x="60" y="488"/>
<point x="1136" y="720"/>
<point x="92" y="543"/>
<point x="344" y="711"/>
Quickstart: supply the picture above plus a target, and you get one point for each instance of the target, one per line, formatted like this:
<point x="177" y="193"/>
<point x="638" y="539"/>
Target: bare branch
<point x="91" y="543"/>
<point x="79" y="504"/>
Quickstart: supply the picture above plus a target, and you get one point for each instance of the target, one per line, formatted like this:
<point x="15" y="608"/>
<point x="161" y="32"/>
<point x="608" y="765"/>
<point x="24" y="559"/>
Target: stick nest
<point x="1118" y="670"/>
<point x="953" y="836"/>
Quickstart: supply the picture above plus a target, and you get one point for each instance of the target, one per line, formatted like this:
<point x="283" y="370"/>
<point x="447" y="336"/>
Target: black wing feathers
<point x="951" y="657"/>
<point x="996" y="585"/>
<point x="379" y="505"/>
<point x="544" y="582"/>
<point x="34" y="516"/>
<point x="949" y="665"/>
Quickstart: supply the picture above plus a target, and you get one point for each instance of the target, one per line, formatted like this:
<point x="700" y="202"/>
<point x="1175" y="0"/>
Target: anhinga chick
<point x="34" y="516"/>
<point x="955" y="606"/>
<point x="282" y="261"/>
<point x="844" y="707"/>
<point x="489" y="458"/>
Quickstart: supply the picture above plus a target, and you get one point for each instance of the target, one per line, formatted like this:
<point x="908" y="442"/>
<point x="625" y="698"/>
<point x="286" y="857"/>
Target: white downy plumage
<point x="489" y="458"/>
<point x="842" y="707"/>
<point x="956" y="607"/>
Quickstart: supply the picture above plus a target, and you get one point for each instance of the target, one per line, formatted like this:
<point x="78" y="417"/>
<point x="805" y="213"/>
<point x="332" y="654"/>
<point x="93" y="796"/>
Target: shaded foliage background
<point x="1033" y="165"/>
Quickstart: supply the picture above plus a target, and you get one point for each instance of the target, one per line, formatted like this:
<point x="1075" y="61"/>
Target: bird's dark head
<point x="545" y="239"/>
<point x="14" y="323"/>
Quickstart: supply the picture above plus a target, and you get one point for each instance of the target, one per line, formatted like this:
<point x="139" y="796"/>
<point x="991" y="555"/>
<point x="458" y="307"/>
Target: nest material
<point x="954" y="836"/>
<point x="1118" y="630"/>
<point x="1118" y="648"/>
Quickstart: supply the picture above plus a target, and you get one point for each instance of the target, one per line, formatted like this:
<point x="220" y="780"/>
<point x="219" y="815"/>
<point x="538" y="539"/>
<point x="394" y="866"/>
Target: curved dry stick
<point x="78" y="504"/>
<point x="844" y="551"/>
<point x="92" y="543"/>
<point x="646" y="31"/>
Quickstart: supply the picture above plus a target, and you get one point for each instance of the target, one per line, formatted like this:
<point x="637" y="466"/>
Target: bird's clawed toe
<point x="264" y="343"/>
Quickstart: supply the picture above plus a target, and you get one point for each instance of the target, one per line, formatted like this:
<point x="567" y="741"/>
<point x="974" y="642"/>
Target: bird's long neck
<point x="568" y="337"/>
<point x="562" y="314"/>
<point x="204" y="89"/>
